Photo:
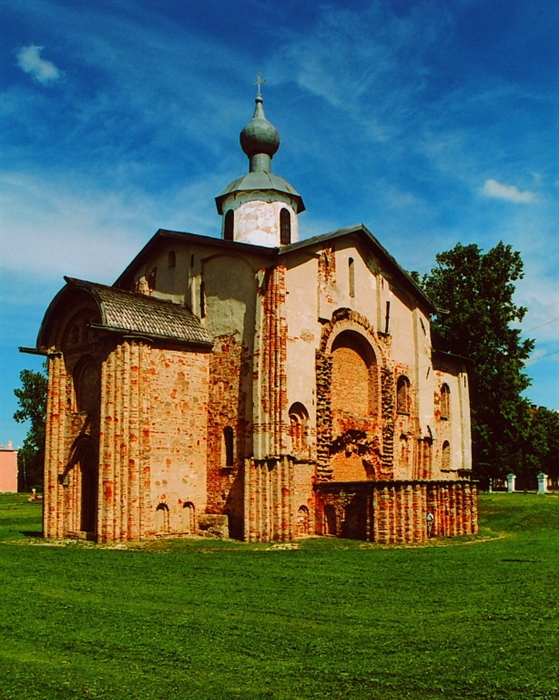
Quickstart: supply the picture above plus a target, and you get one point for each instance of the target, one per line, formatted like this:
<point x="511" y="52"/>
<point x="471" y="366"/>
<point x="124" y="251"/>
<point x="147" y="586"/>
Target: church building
<point x="255" y="385"/>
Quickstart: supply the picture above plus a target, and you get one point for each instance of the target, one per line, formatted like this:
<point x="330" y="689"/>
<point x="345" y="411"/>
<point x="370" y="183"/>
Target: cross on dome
<point x="258" y="83"/>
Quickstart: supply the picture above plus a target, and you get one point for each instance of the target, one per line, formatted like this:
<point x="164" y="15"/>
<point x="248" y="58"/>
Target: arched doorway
<point x="88" y="471"/>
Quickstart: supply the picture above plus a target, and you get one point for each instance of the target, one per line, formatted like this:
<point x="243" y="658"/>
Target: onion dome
<point x="260" y="137"/>
<point x="260" y="141"/>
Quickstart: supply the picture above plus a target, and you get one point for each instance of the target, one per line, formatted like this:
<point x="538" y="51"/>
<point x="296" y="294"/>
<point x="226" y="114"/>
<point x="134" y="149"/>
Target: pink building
<point x="8" y="469"/>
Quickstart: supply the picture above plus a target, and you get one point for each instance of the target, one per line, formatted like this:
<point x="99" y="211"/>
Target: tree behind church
<point x="32" y="400"/>
<point x="477" y="289"/>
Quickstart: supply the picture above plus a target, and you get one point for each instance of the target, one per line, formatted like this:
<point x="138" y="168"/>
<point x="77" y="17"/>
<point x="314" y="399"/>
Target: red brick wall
<point x="229" y="366"/>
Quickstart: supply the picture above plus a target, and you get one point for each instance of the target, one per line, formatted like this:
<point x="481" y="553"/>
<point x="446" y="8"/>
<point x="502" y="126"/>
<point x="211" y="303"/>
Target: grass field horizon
<point x="324" y="618"/>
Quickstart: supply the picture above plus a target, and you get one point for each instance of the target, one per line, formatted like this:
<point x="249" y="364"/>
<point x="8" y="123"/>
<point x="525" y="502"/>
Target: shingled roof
<point x="129" y="313"/>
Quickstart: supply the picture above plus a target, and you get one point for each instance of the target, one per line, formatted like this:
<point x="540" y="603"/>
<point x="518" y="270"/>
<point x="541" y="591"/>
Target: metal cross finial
<point x="258" y="83"/>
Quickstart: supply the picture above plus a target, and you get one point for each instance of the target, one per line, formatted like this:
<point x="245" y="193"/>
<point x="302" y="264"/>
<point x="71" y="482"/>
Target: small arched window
<point x="445" y="402"/>
<point x="171" y="260"/>
<point x="228" y="446"/>
<point x="285" y="227"/>
<point x="403" y="394"/>
<point x="351" y="270"/>
<point x="229" y="225"/>
<point x="446" y="456"/>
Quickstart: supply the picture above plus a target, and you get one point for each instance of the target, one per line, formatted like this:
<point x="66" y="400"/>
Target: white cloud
<point x="30" y="61"/>
<point x="511" y="193"/>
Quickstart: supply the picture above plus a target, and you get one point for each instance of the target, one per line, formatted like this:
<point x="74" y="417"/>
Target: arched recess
<point x="303" y="521"/>
<point x="162" y="519"/>
<point x="403" y="396"/>
<point x="354" y="376"/>
<point x="445" y="402"/>
<point x="188" y="517"/>
<point x="298" y="427"/>
<point x="87" y="385"/>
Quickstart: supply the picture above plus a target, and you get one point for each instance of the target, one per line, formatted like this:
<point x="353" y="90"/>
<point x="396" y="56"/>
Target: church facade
<point x="254" y="385"/>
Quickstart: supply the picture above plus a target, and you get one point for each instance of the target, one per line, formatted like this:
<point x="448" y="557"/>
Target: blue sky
<point x="431" y="122"/>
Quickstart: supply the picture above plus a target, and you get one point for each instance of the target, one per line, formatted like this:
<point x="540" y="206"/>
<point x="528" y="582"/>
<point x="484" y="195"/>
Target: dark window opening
<point x="229" y="225"/>
<point x="202" y="300"/>
<point x="285" y="227"/>
<point x="387" y="319"/>
<point x="172" y="259"/>
<point x="229" y="446"/>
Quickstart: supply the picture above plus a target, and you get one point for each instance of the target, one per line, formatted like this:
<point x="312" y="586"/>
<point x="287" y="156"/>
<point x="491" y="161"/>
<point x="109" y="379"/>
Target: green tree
<point x="476" y="290"/>
<point x="542" y="442"/>
<point x="32" y="400"/>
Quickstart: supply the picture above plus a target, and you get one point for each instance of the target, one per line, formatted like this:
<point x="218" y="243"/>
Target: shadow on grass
<point x="31" y="533"/>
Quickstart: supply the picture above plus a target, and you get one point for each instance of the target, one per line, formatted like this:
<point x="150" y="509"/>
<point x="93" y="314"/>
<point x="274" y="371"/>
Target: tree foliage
<point x="541" y="453"/>
<point x="476" y="290"/>
<point x="32" y="400"/>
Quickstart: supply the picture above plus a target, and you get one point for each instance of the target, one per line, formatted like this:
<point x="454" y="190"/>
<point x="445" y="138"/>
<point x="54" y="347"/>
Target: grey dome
<point x="260" y="135"/>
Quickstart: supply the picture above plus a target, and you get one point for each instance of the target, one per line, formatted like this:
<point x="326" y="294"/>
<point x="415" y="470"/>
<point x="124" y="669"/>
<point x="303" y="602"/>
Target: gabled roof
<point x="129" y="313"/>
<point x="380" y="251"/>
<point x="163" y="236"/>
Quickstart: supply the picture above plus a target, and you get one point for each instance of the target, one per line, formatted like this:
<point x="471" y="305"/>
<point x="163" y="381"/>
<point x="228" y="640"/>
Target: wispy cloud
<point x="30" y="61"/>
<point x="511" y="193"/>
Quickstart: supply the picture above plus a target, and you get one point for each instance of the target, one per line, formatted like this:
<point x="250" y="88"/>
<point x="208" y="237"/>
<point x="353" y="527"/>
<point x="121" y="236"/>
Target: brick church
<point x="254" y="385"/>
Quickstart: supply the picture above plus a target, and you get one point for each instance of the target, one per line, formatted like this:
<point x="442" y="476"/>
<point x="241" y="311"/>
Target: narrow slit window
<point x="229" y="225"/>
<point x="387" y="319"/>
<point x="202" y="300"/>
<point x="229" y="446"/>
<point x="351" y="271"/>
<point x="172" y="260"/>
<point x="285" y="227"/>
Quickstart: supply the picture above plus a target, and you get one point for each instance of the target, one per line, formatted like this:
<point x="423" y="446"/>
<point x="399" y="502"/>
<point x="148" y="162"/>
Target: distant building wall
<point x="8" y="469"/>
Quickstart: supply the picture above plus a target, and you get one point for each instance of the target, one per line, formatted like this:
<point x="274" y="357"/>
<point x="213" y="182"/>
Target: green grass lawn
<point x="462" y="618"/>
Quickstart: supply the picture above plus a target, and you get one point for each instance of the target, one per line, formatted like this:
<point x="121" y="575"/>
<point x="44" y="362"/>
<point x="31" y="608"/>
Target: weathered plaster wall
<point x="257" y="217"/>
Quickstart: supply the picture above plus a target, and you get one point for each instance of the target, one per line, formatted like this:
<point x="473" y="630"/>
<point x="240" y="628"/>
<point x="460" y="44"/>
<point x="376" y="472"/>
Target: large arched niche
<point x="354" y="375"/>
<point x="349" y="367"/>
